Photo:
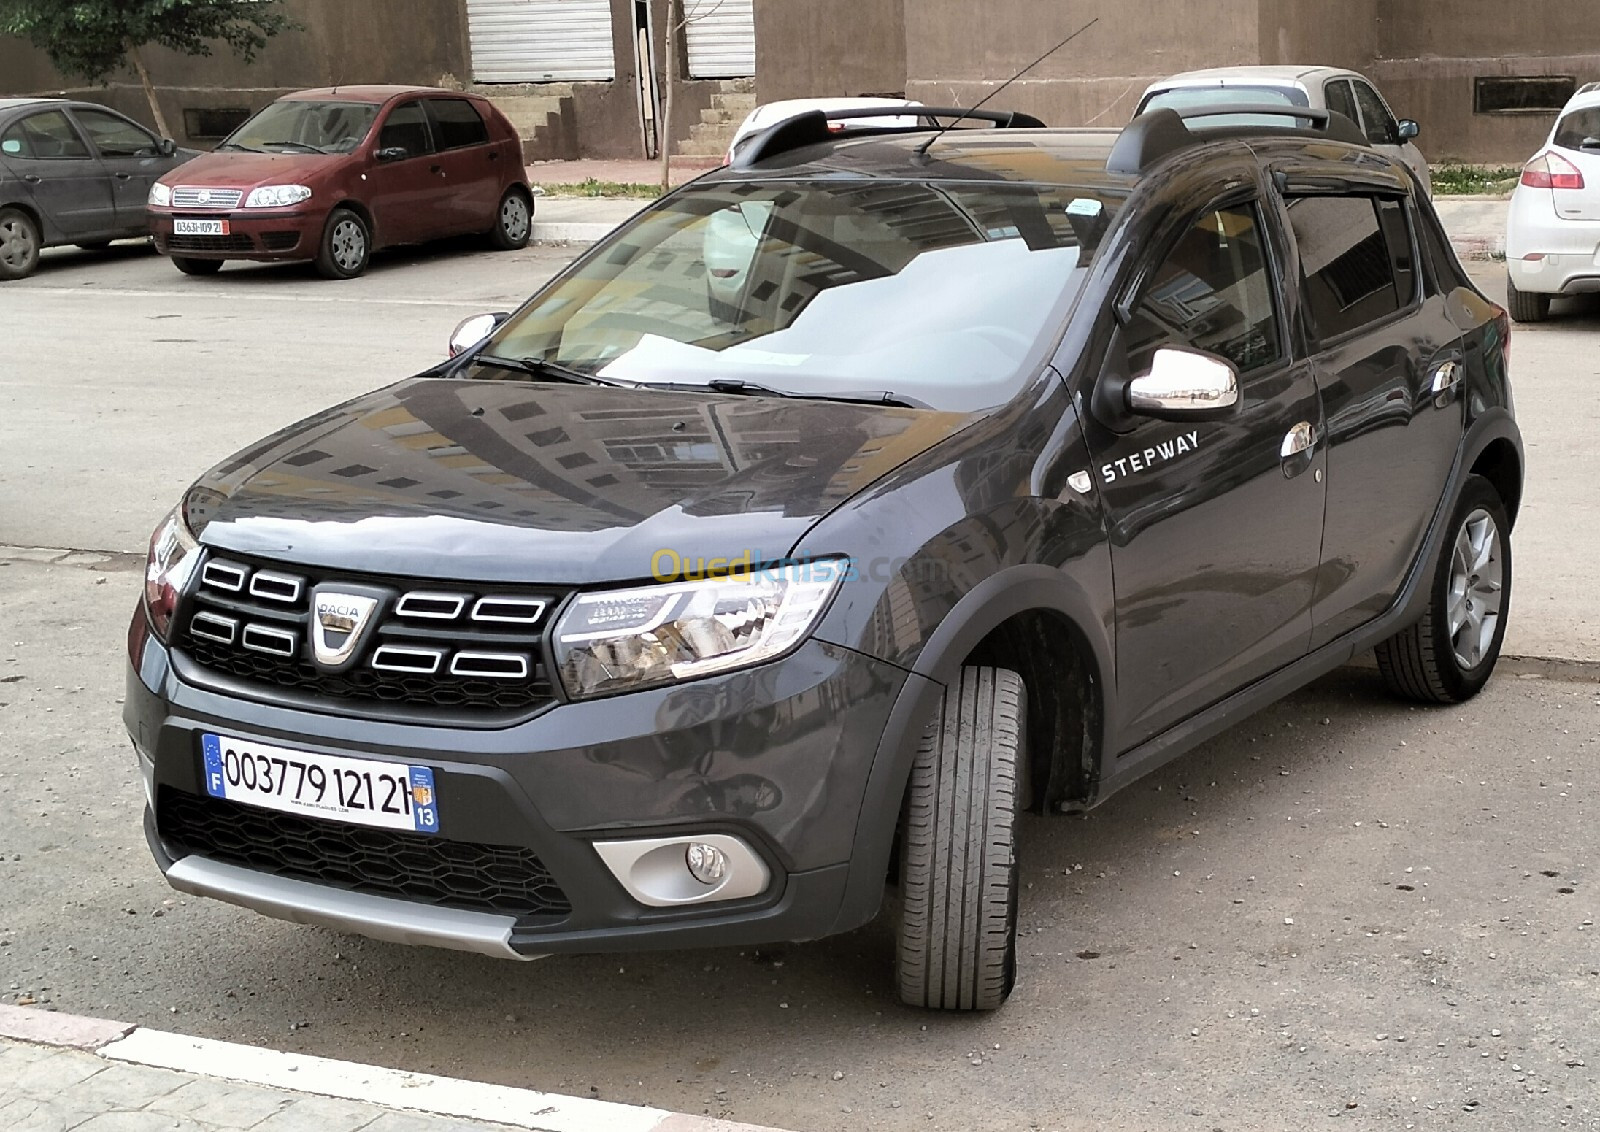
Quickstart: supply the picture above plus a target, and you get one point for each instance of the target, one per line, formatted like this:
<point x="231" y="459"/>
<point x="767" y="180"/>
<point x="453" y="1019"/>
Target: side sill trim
<point x="397" y="921"/>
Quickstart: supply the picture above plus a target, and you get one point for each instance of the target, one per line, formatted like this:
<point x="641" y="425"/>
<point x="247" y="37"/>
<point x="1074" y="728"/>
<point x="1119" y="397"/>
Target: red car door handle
<point x="493" y="156"/>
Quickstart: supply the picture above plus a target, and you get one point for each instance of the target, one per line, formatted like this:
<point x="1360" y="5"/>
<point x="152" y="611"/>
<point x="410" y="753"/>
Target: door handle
<point x="1446" y="376"/>
<point x="494" y="155"/>
<point x="123" y="176"/>
<point x="31" y="178"/>
<point x="1298" y="439"/>
<point x="439" y="169"/>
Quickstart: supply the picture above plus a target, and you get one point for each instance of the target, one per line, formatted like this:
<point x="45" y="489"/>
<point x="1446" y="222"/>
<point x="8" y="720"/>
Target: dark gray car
<point x="73" y="173"/>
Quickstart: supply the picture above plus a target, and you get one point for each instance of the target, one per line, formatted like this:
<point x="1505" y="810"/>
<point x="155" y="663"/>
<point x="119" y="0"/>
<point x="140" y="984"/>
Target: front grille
<point x="189" y="196"/>
<point x="453" y="649"/>
<point x="210" y="244"/>
<point x="279" y="241"/>
<point x="505" y="879"/>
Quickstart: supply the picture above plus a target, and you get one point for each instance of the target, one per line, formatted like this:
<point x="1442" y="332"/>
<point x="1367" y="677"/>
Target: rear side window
<point x="1578" y="127"/>
<point x="1212" y="292"/>
<point x="456" y="123"/>
<point x="407" y="129"/>
<point x="43" y="135"/>
<point x="1347" y="263"/>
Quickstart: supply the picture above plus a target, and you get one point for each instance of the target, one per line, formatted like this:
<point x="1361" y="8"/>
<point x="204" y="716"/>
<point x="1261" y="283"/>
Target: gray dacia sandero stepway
<point x="838" y="507"/>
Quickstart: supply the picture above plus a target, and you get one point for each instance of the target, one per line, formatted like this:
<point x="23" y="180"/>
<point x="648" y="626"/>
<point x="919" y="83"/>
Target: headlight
<point x="160" y="195"/>
<point x="623" y="640"/>
<point x="276" y="196"/>
<point x="174" y="553"/>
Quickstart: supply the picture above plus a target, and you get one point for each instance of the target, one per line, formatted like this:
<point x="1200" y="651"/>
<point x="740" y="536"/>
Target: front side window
<point x="1346" y="263"/>
<point x="1189" y="98"/>
<point x="304" y="126"/>
<point x="456" y="123"/>
<point x="116" y="137"/>
<point x="935" y="292"/>
<point x="1376" y="121"/>
<point x="407" y="129"/>
<point x="1213" y="292"/>
<point x="46" y="135"/>
<point x="1579" y="129"/>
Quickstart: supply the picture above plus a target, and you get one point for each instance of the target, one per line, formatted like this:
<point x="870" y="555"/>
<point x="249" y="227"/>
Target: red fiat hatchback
<point x="330" y="175"/>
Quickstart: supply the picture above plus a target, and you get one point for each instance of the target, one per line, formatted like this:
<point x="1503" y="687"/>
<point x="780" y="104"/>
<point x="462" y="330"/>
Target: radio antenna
<point x="922" y="150"/>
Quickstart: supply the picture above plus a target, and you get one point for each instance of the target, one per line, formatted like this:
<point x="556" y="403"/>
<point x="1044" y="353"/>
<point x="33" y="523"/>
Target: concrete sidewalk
<point x="61" y="1072"/>
<point x="1476" y="225"/>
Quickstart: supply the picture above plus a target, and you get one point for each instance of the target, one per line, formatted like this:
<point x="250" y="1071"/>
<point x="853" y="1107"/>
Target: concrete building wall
<point x="830" y="48"/>
<point x="1344" y="34"/>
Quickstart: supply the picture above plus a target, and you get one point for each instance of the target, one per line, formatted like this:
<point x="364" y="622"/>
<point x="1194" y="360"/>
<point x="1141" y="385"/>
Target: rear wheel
<point x="958" y="861"/>
<point x="346" y="246"/>
<point x="19" y="244"/>
<point x="513" y="223"/>
<point x="1526" y="306"/>
<point x="191" y="266"/>
<point x="1448" y="654"/>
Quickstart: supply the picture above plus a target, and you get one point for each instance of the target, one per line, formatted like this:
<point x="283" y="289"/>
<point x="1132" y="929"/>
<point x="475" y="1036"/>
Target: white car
<point x="771" y="113"/>
<point x="1316" y="88"/>
<point x="1553" y="228"/>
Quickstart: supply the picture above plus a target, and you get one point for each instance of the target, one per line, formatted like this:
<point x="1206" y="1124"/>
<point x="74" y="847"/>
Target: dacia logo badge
<point x="339" y="622"/>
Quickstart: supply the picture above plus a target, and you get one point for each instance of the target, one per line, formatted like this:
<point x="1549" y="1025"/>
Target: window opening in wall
<point x="208" y="124"/>
<point x="1503" y="94"/>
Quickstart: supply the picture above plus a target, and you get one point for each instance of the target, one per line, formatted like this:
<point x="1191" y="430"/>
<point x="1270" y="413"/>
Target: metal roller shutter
<point x="531" y="41"/>
<point x="722" y="38"/>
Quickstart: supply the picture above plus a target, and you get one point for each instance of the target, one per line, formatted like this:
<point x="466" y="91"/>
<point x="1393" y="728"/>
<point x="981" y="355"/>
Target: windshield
<point x="288" y="126"/>
<point x="936" y="293"/>
<point x="1186" y="98"/>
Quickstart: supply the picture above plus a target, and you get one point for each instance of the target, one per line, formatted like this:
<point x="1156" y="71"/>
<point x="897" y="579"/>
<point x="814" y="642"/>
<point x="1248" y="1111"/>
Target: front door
<point x="65" y="178"/>
<point x="1215" y="527"/>
<point x="131" y="156"/>
<point x="408" y="186"/>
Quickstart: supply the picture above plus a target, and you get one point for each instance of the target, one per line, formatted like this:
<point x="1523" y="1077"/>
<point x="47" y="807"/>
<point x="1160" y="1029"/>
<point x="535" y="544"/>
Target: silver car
<point x="1318" y="88"/>
<point x="73" y="173"/>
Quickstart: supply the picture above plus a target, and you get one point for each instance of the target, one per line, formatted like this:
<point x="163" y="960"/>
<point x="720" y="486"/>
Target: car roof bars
<point x="811" y="127"/>
<point x="1156" y="134"/>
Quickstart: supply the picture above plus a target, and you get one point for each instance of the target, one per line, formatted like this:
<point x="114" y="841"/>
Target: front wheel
<point x="513" y="223"/>
<point x="191" y="266"/>
<point x="1448" y="654"/>
<point x="19" y="244"/>
<point x="958" y="861"/>
<point x="346" y="246"/>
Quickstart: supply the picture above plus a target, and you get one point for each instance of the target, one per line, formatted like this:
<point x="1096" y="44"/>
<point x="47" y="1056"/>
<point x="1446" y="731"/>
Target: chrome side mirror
<point x="1408" y="129"/>
<point x="469" y="332"/>
<point x="1185" y="385"/>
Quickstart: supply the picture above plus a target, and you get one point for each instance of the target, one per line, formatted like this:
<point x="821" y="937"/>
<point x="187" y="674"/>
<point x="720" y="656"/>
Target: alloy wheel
<point x="1476" y="588"/>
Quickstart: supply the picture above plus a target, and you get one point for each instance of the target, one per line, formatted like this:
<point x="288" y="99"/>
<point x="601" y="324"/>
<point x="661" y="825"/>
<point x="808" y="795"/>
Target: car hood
<point x="562" y="484"/>
<point x="246" y="170"/>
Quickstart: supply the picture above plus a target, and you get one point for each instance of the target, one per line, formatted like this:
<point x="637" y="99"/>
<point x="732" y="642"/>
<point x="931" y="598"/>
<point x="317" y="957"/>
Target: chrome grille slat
<point x="508" y="610"/>
<point x="405" y="658"/>
<point x="188" y="196"/>
<point x="270" y="640"/>
<point x="431" y="605"/>
<point x="214" y="627"/>
<point x="273" y="586"/>
<point x="490" y="665"/>
<point x="224" y="575"/>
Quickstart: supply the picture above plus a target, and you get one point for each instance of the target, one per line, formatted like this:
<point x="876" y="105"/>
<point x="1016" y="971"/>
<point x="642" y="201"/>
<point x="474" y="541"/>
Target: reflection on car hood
<point x="245" y="170"/>
<point x="565" y="484"/>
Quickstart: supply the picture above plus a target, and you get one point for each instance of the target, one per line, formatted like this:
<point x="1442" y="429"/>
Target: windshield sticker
<point x="1159" y="454"/>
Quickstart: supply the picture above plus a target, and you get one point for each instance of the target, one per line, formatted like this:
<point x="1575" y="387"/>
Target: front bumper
<point x="778" y="756"/>
<point x="265" y="235"/>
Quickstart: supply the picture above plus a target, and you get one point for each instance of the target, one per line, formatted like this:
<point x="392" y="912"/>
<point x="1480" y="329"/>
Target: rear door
<point x="1388" y="364"/>
<point x="64" y="177"/>
<point x="471" y="165"/>
<point x="1216" y="526"/>
<point x="131" y="156"/>
<point x="408" y="186"/>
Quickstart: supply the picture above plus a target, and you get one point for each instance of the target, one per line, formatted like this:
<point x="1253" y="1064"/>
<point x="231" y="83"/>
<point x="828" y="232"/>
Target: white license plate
<point x="183" y="227"/>
<point x="359" y="791"/>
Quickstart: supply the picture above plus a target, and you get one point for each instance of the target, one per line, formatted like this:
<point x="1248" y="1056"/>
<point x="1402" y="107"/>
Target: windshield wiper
<point x="539" y="367"/>
<point x="743" y="388"/>
<point x="239" y="146"/>
<point x="302" y="145"/>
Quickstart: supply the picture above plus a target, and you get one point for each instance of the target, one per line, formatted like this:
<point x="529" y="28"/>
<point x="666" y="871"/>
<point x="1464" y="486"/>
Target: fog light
<point x="707" y="864"/>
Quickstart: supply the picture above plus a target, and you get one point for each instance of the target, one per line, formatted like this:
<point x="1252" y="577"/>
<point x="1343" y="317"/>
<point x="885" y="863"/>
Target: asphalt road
<point x="1344" y="907"/>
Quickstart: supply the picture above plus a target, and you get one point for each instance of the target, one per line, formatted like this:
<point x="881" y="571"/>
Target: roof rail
<point x="1156" y="134"/>
<point x="811" y="127"/>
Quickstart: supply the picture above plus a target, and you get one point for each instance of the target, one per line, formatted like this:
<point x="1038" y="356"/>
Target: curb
<point x="346" y="1080"/>
<point x="569" y="231"/>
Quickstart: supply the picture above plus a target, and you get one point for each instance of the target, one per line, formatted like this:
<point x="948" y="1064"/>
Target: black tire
<point x="1423" y="661"/>
<point x="19" y="244"/>
<point x="346" y="245"/>
<point x="957" y="941"/>
<point x="1526" y="306"/>
<point x="513" y="221"/>
<point x="191" y="266"/>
